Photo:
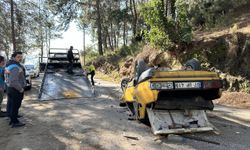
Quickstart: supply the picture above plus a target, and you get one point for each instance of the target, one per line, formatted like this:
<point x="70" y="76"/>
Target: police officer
<point x="15" y="91"/>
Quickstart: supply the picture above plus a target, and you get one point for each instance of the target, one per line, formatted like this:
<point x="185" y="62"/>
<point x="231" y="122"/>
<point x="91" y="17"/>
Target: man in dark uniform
<point x="15" y="91"/>
<point x="70" y="57"/>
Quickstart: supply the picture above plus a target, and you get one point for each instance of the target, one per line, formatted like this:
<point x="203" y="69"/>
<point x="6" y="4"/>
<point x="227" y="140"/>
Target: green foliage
<point x="165" y="31"/>
<point x="32" y="23"/>
<point x="90" y="55"/>
<point x="131" y="50"/>
<point x="208" y="13"/>
<point x="159" y="38"/>
<point x="214" y="55"/>
<point x="185" y="29"/>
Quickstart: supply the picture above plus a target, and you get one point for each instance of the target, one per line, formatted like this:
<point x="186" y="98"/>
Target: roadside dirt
<point x="235" y="99"/>
<point x="99" y="123"/>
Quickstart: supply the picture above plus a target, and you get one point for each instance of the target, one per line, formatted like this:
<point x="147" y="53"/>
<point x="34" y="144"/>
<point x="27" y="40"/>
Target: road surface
<point x="99" y="123"/>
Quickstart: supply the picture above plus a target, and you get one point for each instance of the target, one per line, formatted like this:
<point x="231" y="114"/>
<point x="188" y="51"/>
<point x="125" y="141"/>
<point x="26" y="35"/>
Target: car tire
<point x="194" y="63"/>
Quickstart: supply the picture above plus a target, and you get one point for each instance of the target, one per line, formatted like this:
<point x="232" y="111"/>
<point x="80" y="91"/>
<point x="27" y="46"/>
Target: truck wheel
<point x="194" y="63"/>
<point x="140" y="67"/>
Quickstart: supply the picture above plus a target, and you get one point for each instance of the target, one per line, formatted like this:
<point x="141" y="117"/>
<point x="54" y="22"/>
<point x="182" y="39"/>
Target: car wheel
<point x="194" y="63"/>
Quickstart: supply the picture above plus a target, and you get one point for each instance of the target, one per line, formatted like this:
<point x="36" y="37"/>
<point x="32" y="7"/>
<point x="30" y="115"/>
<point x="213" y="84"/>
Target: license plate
<point x="187" y="85"/>
<point x="167" y="85"/>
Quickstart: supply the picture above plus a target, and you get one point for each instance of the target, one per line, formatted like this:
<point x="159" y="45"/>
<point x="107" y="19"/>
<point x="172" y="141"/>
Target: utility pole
<point x="12" y="25"/>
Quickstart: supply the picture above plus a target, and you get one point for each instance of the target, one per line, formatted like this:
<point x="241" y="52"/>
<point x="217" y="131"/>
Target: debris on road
<point x="200" y="139"/>
<point x="130" y="137"/>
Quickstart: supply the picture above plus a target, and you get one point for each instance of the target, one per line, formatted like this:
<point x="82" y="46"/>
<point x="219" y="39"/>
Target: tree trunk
<point x="135" y="19"/>
<point x="125" y="25"/>
<point x="111" y="36"/>
<point x="172" y="10"/>
<point x="12" y="25"/>
<point x="134" y="14"/>
<point x="114" y="39"/>
<point x="110" y="41"/>
<point x="166" y="8"/>
<point x="42" y="47"/>
<point x="118" y="37"/>
<point x="99" y="27"/>
<point x="124" y="33"/>
<point x="105" y="44"/>
<point x="163" y="6"/>
<point x="41" y="50"/>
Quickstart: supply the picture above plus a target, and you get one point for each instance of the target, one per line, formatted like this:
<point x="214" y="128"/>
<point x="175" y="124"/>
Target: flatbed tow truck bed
<point x="58" y="84"/>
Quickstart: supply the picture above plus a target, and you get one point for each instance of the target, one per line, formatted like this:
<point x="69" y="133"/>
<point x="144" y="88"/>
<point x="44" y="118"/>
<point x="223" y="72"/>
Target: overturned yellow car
<point x="174" y="102"/>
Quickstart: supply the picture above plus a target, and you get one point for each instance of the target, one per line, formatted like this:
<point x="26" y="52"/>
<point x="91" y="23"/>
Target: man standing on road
<point x="16" y="83"/>
<point x="2" y="85"/>
<point x="70" y="57"/>
<point x="11" y="62"/>
<point x="91" y="72"/>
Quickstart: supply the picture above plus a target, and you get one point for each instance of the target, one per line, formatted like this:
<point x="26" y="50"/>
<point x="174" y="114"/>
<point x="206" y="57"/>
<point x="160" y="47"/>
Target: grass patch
<point x="112" y="77"/>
